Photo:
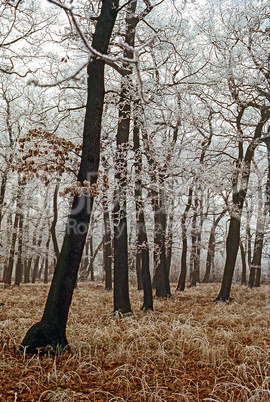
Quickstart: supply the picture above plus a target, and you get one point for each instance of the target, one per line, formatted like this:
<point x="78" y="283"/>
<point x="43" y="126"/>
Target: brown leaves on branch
<point x="43" y="155"/>
<point x="80" y="189"/>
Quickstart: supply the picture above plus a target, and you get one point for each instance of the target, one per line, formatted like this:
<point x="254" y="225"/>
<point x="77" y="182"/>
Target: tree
<point x="51" y="330"/>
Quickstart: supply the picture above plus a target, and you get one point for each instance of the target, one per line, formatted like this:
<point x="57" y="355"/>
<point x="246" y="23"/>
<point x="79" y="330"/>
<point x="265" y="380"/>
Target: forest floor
<point x="188" y="349"/>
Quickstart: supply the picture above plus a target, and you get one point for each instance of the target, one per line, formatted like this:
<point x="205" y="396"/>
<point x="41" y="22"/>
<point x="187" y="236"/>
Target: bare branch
<point x="35" y="82"/>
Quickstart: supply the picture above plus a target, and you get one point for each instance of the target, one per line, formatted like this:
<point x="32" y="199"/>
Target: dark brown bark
<point x="10" y="265"/>
<point x="161" y="275"/>
<point x="91" y="262"/>
<point x="121" y="285"/>
<point x="240" y="185"/>
<point x="51" y="330"/>
<point x="36" y="263"/>
<point x="255" y="267"/>
<point x="211" y="247"/>
<point x="169" y="243"/>
<point x="142" y="256"/>
<point x="107" y="251"/>
<point x="19" y="263"/>
<point x="27" y="270"/>
<point x="194" y="260"/>
<point x="183" y="271"/>
<point x="2" y="193"/>
<point x="107" y="237"/>
<point x="244" y="264"/>
<point x="83" y="274"/>
<point x="54" y="221"/>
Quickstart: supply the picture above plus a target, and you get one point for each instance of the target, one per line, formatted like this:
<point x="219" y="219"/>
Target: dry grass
<point x="189" y="349"/>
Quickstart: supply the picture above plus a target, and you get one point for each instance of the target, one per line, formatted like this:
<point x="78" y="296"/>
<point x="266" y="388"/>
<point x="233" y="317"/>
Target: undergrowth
<point x="188" y="349"/>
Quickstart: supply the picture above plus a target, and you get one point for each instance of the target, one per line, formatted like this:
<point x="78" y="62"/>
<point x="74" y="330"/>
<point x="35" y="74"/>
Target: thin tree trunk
<point x="19" y="264"/>
<point x="9" y="268"/>
<point x="244" y="264"/>
<point x="91" y="262"/>
<point x="194" y="263"/>
<point x="142" y="256"/>
<point x="83" y="273"/>
<point x="36" y="264"/>
<point x="107" y="237"/>
<point x="183" y="271"/>
<point x="211" y="247"/>
<point x="54" y="221"/>
<point x="2" y="193"/>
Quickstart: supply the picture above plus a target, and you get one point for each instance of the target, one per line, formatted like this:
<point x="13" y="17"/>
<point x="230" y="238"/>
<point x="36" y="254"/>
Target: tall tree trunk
<point x="9" y="268"/>
<point x="54" y="221"/>
<point x="240" y="185"/>
<point x="51" y="330"/>
<point x="169" y="242"/>
<point x="2" y="193"/>
<point x="121" y="284"/>
<point x="194" y="263"/>
<point x="19" y="264"/>
<point x="244" y="264"/>
<point x="46" y="270"/>
<point x="161" y="275"/>
<point x="256" y="262"/>
<point x="36" y="264"/>
<point x="91" y="262"/>
<point x="27" y="270"/>
<point x="142" y="256"/>
<point x="83" y="273"/>
<point x="211" y="247"/>
<point x="107" y="251"/>
<point x="183" y="271"/>
<point x="107" y="238"/>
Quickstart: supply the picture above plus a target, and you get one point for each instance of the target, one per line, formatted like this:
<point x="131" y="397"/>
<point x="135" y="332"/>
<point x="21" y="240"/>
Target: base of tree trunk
<point x="44" y="338"/>
<point x="147" y="308"/>
<point x="223" y="299"/>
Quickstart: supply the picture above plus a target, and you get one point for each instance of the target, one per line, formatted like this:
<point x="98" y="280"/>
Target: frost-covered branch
<point x="35" y="82"/>
<point x="93" y="52"/>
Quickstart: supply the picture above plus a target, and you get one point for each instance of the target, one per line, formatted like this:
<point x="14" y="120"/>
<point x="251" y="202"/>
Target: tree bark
<point x="142" y="257"/>
<point x="244" y="264"/>
<point x="9" y="268"/>
<point x="54" y="221"/>
<point x="121" y="284"/>
<point x="183" y="271"/>
<point x="19" y="264"/>
<point x="240" y="185"/>
<point x="51" y="330"/>
<point x="211" y="247"/>
<point x="161" y="275"/>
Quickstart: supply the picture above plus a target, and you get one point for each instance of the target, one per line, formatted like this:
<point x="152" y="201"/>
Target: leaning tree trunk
<point x="51" y="330"/>
<point x="239" y="194"/>
<point x="54" y="221"/>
